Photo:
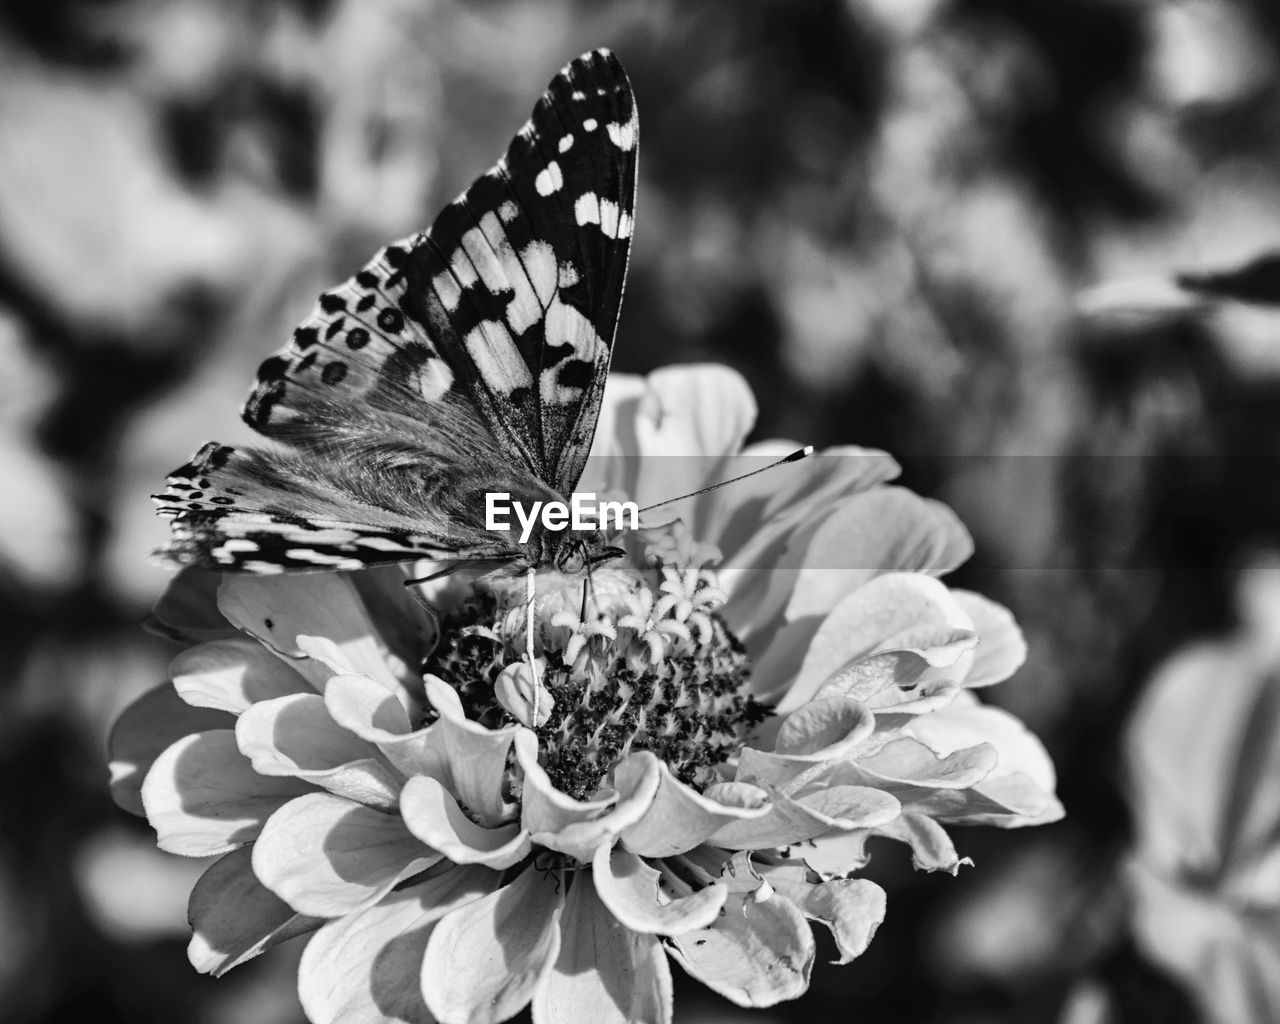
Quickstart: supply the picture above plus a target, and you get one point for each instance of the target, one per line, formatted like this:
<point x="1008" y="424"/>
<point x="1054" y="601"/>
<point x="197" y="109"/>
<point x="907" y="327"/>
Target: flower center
<point x="633" y="659"/>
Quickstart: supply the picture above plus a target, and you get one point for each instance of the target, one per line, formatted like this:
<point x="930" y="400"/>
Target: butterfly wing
<point x="520" y="280"/>
<point x="470" y="358"/>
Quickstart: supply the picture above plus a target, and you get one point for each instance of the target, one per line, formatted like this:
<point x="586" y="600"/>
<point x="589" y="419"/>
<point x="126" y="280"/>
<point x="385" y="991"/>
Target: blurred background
<point x="1031" y="247"/>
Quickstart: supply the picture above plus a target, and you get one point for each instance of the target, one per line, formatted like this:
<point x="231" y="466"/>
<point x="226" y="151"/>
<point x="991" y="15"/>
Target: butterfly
<point x="470" y="358"/>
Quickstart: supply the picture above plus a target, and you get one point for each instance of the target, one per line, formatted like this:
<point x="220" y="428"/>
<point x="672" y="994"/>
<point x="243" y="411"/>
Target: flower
<point x="725" y="717"/>
<point x="1204" y="764"/>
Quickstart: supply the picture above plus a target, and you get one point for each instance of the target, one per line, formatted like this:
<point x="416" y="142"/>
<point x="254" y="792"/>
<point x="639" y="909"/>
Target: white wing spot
<point x="320" y="558"/>
<point x="578" y="94"/>
<point x="238" y="544"/>
<point x="448" y="290"/>
<point x="590" y="124"/>
<point x="565" y="143"/>
<point x="496" y="357"/>
<point x="591" y="209"/>
<point x="622" y="135"/>
<point x="549" y="179"/>
<point x="568" y="275"/>
<point x="508" y="211"/>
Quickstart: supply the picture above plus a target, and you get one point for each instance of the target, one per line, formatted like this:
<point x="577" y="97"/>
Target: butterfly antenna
<point x="796" y="456"/>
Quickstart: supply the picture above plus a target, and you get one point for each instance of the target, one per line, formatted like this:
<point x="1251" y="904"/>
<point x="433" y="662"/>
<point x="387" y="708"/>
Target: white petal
<point x="327" y="856"/>
<point x="432" y="814"/>
<point x="632" y="891"/>
<point x="203" y="798"/>
<point x="296" y="736"/>
<point x="680" y="817"/>
<point x="470" y="759"/>
<point x="605" y="973"/>
<point x="279" y="609"/>
<point x="851" y="907"/>
<point x="234" y="917"/>
<point x="1001" y="648"/>
<point x="896" y="612"/>
<point x="824" y="729"/>
<point x="889" y="529"/>
<point x="578" y="827"/>
<point x="366" y="968"/>
<point x="485" y="960"/>
<point x="755" y="954"/>
<point x="144" y="729"/>
<point x="232" y="674"/>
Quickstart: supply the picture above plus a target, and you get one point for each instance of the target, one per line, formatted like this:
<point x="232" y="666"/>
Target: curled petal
<point x="364" y="707"/>
<point x="144" y="729"/>
<point x="824" y="729"/>
<point x="680" y="817"/>
<point x="852" y="908"/>
<point x="297" y="736"/>
<point x="327" y="856"/>
<point x="1001" y="647"/>
<point x="909" y="761"/>
<point x="791" y="820"/>
<point x="233" y="674"/>
<point x="755" y="954"/>
<point x="889" y="529"/>
<point x="841" y="852"/>
<point x="577" y="827"/>
<point x="485" y="959"/>
<point x="432" y="814"/>
<point x="895" y="614"/>
<point x="604" y="973"/>
<point x="234" y="917"/>
<point x="469" y="759"/>
<point x="203" y="797"/>
<point x="365" y="968"/>
<point x="632" y="892"/>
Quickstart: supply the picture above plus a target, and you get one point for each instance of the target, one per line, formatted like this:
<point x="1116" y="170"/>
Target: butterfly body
<point x="468" y="359"/>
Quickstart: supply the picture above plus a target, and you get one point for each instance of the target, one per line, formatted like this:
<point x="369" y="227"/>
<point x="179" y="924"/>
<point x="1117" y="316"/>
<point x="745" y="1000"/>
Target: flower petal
<point x="889" y="529"/>
<point x="234" y="917"/>
<point x="203" y="798"/>
<point x="327" y="856"/>
<point x="364" y="707"/>
<point x="792" y="820"/>
<point x="188" y="609"/>
<point x="468" y="758"/>
<point x="632" y="892"/>
<point x="484" y="960"/>
<point x="296" y="736"/>
<point x="432" y="814"/>
<point x="577" y="827"/>
<point x="233" y="674"/>
<point x="852" y="908"/>
<point x="680" y="817"/>
<point x="907" y="760"/>
<point x="840" y="852"/>
<point x="144" y="729"/>
<point x="279" y="609"/>
<point x="824" y="729"/>
<point x="755" y="954"/>
<point x="689" y="421"/>
<point x="605" y="973"/>
<point x="892" y="614"/>
<point x="1001" y="648"/>
<point x="366" y="968"/>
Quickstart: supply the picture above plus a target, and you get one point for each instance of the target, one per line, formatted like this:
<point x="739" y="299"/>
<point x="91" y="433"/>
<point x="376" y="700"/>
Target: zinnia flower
<point x="725" y="718"/>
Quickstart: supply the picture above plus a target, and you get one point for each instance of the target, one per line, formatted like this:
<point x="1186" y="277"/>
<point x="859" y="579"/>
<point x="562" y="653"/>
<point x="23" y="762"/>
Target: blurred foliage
<point x="996" y="237"/>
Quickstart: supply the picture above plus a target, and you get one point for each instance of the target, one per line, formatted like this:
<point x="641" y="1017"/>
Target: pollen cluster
<point x="633" y="658"/>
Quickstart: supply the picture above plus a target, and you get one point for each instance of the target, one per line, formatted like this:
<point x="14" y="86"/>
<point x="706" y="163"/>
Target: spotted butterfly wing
<point x="469" y="358"/>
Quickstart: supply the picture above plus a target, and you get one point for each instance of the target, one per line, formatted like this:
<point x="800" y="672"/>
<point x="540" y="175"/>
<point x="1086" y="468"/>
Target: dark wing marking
<point x="520" y="279"/>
